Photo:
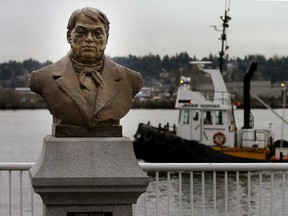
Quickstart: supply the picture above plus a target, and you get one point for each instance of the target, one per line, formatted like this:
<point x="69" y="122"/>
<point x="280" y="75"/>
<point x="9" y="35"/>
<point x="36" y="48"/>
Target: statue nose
<point x="89" y="37"/>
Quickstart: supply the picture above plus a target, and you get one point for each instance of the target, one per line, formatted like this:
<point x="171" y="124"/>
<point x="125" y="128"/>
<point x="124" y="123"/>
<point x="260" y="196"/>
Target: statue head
<point x="88" y="32"/>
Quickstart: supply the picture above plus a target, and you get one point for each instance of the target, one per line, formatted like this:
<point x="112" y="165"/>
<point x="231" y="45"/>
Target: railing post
<point x="249" y="192"/>
<point x="10" y="193"/>
<point x="203" y="192"/>
<point x="180" y="194"/>
<point x="32" y="202"/>
<point x="21" y="193"/>
<point x="157" y="193"/>
<point x="283" y="193"/>
<point x="169" y="193"/>
<point x="260" y="191"/>
<point x="272" y="193"/>
<point x="0" y="193"/>
<point x="237" y="192"/>
<point x="192" y="193"/>
<point x="214" y="192"/>
<point x="226" y="193"/>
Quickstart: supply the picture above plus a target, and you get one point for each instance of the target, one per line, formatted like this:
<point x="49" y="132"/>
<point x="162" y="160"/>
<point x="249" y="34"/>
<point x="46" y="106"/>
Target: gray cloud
<point x="37" y="28"/>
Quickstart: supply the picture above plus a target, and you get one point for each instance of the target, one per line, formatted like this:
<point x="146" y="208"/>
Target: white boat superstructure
<point x="208" y="117"/>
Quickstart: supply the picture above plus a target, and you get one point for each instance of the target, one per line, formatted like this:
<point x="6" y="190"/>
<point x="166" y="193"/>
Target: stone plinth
<point x="93" y="176"/>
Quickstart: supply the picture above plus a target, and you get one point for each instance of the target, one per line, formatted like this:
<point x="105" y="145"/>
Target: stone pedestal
<point x="88" y="176"/>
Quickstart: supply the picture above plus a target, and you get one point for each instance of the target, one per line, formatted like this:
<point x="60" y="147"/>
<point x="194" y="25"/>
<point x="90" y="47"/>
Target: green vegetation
<point x="153" y="68"/>
<point x="15" y="74"/>
<point x="274" y="69"/>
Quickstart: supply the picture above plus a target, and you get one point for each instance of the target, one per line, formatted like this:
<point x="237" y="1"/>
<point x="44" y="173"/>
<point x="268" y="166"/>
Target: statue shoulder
<point x="134" y="78"/>
<point x="43" y="76"/>
<point x="35" y="80"/>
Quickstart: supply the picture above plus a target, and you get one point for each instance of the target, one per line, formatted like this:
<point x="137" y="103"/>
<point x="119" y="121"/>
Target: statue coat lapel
<point x="112" y="78"/>
<point x="65" y="76"/>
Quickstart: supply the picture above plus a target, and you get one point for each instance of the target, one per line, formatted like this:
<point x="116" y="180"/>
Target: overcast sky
<point x="37" y="28"/>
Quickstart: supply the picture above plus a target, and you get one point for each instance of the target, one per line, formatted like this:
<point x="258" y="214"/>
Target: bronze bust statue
<point x="86" y="92"/>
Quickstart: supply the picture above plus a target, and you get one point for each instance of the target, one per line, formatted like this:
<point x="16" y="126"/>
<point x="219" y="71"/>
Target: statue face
<point x="88" y="39"/>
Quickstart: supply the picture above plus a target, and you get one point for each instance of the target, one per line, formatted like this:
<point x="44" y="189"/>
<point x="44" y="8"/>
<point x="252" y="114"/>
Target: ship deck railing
<point x="175" y="189"/>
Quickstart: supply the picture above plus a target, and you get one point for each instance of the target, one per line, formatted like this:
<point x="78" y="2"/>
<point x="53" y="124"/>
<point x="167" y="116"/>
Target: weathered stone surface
<point x="87" y="173"/>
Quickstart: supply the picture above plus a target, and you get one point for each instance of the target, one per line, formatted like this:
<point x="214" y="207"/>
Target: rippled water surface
<point x="21" y="136"/>
<point x="21" y="132"/>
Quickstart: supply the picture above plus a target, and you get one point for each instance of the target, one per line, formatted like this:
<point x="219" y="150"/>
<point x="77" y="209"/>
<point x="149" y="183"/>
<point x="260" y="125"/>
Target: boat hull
<point x="163" y="146"/>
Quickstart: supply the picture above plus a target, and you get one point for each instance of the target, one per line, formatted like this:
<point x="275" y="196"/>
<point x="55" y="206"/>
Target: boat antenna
<point x="225" y="19"/>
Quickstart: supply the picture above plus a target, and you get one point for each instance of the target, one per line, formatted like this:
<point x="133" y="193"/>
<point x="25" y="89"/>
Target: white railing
<point x="176" y="189"/>
<point x="219" y="189"/>
<point x="16" y="194"/>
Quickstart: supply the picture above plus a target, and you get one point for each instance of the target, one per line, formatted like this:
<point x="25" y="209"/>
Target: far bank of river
<point x="146" y="104"/>
<point x="11" y="99"/>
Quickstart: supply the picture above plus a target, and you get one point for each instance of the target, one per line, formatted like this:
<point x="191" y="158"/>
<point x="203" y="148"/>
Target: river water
<point x="22" y="132"/>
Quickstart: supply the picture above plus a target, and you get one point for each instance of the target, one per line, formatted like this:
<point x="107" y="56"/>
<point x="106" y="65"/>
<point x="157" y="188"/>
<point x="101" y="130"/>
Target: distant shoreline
<point x="148" y="104"/>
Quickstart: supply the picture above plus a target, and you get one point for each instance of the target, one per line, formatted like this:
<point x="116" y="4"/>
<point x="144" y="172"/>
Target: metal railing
<point x="16" y="194"/>
<point x="176" y="189"/>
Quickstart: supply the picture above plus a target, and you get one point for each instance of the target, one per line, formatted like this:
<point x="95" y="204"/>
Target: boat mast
<point x="223" y="38"/>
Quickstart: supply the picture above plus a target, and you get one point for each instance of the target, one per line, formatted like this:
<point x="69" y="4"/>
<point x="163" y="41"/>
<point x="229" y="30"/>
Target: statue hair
<point x="90" y="12"/>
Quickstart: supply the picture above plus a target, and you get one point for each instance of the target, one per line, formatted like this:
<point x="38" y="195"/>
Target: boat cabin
<point x="208" y="117"/>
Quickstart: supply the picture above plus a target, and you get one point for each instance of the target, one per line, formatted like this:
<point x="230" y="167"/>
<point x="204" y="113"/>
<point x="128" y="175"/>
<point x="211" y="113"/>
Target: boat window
<point x="179" y="117"/>
<point x="186" y="117"/>
<point x="195" y="116"/>
<point x="208" y="118"/>
<point x="219" y="118"/>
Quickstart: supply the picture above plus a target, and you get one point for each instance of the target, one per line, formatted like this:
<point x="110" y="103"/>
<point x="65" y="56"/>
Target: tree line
<point x="274" y="68"/>
<point x="15" y="74"/>
<point x="153" y="68"/>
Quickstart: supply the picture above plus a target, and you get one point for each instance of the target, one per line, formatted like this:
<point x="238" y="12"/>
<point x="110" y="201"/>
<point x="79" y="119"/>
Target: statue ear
<point x="68" y="36"/>
<point x="107" y="38"/>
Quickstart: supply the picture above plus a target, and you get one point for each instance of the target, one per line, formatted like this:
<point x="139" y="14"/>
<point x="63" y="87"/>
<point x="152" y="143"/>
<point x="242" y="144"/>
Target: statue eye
<point x="80" y="32"/>
<point x="98" y="33"/>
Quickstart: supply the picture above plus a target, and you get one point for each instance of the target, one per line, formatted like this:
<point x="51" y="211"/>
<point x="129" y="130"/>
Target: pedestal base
<point x="93" y="176"/>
